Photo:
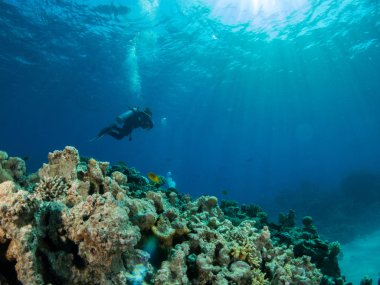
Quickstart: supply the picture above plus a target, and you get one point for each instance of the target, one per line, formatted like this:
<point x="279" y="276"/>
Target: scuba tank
<point x="123" y="117"/>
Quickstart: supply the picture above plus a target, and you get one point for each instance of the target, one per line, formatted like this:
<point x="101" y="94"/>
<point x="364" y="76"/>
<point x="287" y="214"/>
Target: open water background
<point x="272" y="102"/>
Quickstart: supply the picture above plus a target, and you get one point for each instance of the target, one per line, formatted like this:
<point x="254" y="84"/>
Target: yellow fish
<point x="154" y="178"/>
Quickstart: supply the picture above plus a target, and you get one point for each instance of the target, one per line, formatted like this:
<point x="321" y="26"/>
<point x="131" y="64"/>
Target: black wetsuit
<point x="127" y="122"/>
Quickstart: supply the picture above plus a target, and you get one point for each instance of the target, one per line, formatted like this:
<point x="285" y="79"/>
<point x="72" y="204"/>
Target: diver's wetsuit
<point x="127" y="122"/>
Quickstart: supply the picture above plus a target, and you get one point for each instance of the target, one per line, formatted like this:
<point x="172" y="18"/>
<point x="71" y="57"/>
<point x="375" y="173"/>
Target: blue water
<point x="253" y="97"/>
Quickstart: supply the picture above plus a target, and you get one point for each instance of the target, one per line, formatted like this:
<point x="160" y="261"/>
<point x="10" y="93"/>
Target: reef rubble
<point x="81" y="221"/>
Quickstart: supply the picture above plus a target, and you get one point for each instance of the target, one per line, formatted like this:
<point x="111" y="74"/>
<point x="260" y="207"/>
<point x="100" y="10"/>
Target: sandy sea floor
<point x="362" y="257"/>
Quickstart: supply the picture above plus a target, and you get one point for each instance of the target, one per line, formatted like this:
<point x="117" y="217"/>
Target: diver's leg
<point x="107" y="130"/>
<point x="110" y="130"/>
<point x="116" y="134"/>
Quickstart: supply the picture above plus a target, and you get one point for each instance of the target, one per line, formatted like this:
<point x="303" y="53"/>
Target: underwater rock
<point x="85" y="222"/>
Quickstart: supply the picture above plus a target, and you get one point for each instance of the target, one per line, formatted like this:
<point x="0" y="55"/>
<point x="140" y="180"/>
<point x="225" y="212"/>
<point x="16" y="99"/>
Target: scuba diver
<point x="125" y="123"/>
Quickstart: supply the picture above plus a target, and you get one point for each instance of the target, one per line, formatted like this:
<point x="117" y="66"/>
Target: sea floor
<point x="362" y="257"/>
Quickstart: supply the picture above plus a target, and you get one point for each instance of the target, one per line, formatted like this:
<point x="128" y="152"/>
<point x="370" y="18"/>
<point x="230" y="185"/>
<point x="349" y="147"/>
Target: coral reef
<point x="306" y="241"/>
<point x="80" y="221"/>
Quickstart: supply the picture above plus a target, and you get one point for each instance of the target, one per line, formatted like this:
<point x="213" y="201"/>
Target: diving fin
<point x="98" y="137"/>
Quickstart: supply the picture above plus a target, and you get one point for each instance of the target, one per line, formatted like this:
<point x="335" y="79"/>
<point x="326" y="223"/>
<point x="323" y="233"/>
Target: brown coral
<point x="101" y="229"/>
<point x="51" y="188"/>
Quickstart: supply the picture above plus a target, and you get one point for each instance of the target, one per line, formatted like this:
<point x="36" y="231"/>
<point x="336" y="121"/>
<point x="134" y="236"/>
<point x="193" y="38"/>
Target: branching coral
<point x="246" y="252"/>
<point x="51" y="188"/>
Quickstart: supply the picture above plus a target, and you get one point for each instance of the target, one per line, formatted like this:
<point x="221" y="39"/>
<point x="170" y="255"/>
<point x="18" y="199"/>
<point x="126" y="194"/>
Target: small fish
<point x="225" y="192"/>
<point x="154" y="178"/>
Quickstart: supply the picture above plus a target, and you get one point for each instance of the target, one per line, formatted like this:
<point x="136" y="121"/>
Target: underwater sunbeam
<point x="258" y="13"/>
